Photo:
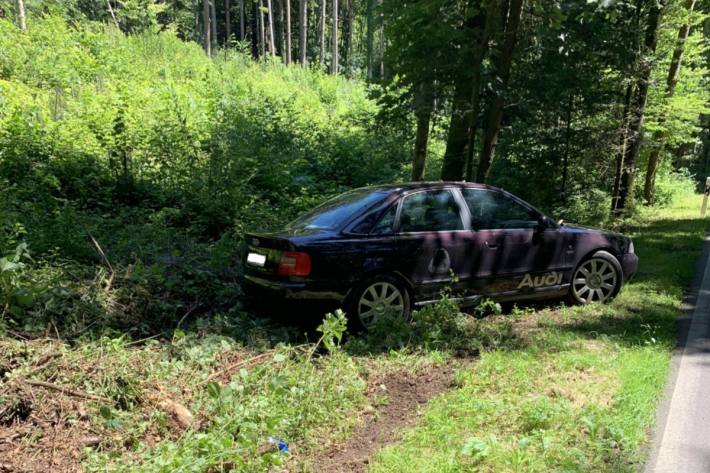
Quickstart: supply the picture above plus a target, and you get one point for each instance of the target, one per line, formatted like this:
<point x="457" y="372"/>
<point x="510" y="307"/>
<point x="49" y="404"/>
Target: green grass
<point x="576" y="390"/>
<point x="554" y="388"/>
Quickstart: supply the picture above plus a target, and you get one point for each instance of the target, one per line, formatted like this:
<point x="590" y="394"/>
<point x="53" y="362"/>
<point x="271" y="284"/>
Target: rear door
<point x="517" y="253"/>
<point x="430" y="240"/>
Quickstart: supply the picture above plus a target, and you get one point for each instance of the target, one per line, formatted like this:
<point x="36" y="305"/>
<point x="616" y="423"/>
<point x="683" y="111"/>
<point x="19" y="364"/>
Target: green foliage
<point x="333" y="328"/>
<point x="438" y="327"/>
<point x="165" y="157"/>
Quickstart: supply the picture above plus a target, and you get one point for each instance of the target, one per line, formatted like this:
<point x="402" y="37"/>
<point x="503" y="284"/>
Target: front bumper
<point x="288" y="290"/>
<point x="629" y="265"/>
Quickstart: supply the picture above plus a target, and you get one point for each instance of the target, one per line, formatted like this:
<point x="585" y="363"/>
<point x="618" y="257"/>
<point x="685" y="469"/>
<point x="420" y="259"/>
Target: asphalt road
<point x="682" y="440"/>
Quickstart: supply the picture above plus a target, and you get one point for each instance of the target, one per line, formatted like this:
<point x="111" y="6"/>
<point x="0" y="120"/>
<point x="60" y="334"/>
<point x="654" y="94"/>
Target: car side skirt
<point x="539" y="293"/>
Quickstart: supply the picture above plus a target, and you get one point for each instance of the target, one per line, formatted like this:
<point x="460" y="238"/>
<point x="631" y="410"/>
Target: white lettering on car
<point x="552" y="279"/>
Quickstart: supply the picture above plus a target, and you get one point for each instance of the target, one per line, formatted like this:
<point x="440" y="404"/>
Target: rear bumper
<point x="629" y="264"/>
<point x="257" y="287"/>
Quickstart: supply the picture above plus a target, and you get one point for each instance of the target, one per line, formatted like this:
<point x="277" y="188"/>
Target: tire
<point x="367" y="303"/>
<point x="596" y="279"/>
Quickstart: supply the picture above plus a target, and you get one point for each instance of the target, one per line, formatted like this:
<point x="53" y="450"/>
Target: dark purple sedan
<point x="387" y="249"/>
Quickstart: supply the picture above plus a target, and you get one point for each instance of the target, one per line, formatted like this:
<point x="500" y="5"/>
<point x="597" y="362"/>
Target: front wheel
<point x="596" y="279"/>
<point x="382" y="296"/>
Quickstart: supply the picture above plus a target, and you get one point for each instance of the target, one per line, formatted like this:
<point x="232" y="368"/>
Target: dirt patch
<point x="398" y="397"/>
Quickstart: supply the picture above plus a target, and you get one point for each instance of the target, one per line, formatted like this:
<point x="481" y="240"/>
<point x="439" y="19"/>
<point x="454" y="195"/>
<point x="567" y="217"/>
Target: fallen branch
<point x="46" y="361"/>
<point x="239" y="364"/>
<point x="65" y="390"/>
<point x="242" y="363"/>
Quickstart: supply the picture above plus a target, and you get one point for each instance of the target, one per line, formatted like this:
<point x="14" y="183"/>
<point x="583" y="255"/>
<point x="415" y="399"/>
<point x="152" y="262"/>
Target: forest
<point x="140" y="140"/>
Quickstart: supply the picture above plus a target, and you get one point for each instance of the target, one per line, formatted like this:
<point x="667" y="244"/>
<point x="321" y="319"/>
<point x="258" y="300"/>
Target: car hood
<point x="582" y="229"/>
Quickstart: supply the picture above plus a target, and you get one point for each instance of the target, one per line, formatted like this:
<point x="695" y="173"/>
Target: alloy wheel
<point x="379" y="299"/>
<point x="595" y="281"/>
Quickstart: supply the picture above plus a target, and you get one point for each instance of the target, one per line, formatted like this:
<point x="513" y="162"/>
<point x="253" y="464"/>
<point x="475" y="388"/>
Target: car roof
<point x="422" y="185"/>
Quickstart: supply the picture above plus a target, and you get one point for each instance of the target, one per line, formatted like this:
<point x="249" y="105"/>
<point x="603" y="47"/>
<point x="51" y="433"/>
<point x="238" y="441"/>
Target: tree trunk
<point x="423" y="108"/>
<point x="110" y="10"/>
<point x="347" y="54"/>
<point x="659" y="136"/>
<point x="303" y="33"/>
<point x="213" y="23"/>
<point x="457" y="138"/>
<point x="288" y="31"/>
<point x="619" y="166"/>
<point x="21" y="15"/>
<point x="370" y="37"/>
<point x="262" y="29"/>
<point x="382" y="43"/>
<point x="502" y="65"/>
<point x="242" y="26"/>
<point x="272" y="41"/>
<point x="635" y="132"/>
<point x="206" y="28"/>
<point x="479" y="55"/>
<point x="462" y="130"/>
<point x="565" y="156"/>
<point x="254" y="27"/>
<point x="227" y="23"/>
<point x="321" y="32"/>
<point x="279" y="27"/>
<point x="335" y="58"/>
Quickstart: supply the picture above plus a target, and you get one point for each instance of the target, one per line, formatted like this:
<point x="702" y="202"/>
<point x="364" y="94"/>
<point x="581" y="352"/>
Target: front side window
<point x="385" y="226"/>
<point x="493" y="210"/>
<point x="430" y="211"/>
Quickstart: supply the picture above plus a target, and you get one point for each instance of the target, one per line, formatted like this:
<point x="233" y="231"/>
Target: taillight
<point x="294" y="264"/>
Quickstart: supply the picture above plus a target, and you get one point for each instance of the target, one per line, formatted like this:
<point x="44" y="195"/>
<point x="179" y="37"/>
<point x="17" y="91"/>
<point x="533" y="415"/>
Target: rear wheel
<point x="382" y="296"/>
<point x="596" y="279"/>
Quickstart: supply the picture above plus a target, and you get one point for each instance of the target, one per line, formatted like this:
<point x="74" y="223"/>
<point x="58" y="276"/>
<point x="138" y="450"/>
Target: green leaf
<point x="105" y="412"/>
<point x="214" y="389"/>
<point x="279" y="357"/>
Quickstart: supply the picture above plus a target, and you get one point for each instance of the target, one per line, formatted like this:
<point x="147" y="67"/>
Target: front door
<point x="517" y="253"/>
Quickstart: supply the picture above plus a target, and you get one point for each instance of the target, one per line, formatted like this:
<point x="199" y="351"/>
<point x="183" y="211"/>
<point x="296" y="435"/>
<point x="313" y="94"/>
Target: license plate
<point x="256" y="259"/>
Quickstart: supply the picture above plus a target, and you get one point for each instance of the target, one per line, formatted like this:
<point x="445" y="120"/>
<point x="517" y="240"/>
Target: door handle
<point x="492" y="246"/>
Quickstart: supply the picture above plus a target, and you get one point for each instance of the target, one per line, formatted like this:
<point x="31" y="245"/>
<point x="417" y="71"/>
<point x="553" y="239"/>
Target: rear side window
<point x="336" y="212"/>
<point x="492" y="210"/>
<point x="430" y="211"/>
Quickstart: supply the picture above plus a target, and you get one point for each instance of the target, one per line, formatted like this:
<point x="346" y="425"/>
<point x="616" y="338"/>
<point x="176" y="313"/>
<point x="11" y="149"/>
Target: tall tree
<point x="659" y="136"/>
<point x="262" y="28"/>
<point x="288" y="31"/>
<point x="381" y="69"/>
<point x="348" y="29"/>
<point x="213" y="22"/>
<point x="334" y="59"/>
<point x="321" y="31"/>
<point x="206" y="28"/>
<point x="370" y="27"/>
<point x="638" y="107"/>
<point x="623" y="138"/>
<point x="502" y="63"/>
<point x="423" y="109"/>
<point x="272" y="41"/>
<point x="21" y="15"/>
<point x="227" y="22"/>
<point x="110" y="10"/>
<point x="242" y="26"/>
<point x="303" y="33"/>
<point x="465" y="106"/>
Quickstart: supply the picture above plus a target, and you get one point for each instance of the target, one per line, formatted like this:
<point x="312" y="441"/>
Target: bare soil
<point x="399" y="396"/>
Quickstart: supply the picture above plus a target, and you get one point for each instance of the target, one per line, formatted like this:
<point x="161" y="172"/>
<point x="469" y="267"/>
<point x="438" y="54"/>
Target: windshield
<point x="335" y="212"/>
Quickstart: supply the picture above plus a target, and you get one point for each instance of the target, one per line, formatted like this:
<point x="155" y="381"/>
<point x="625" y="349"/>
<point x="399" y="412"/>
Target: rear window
<point x="334" y="213"/>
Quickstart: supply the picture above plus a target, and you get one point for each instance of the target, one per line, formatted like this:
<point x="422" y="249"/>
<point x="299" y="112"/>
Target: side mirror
<point x="560" y="223"/>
